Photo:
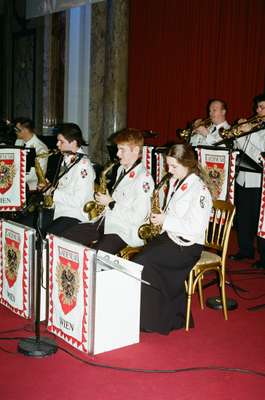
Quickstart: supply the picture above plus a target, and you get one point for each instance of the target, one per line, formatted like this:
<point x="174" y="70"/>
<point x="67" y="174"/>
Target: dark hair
<point x="25" y="123"/>
<point x="222" y="102"/>
<point x="258" y="99"/>
<point x="71" y="132"/>
<point x="130" y="136"/>
<point x="185" y="155"/>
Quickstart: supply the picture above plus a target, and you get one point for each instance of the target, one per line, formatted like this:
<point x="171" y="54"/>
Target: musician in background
<point x="248" y="191"/>
<point x="27" y="137"/>
<point x="170" y="256"/>
<point x="126" y="206"/>
<point x="7" y="133"/>
<point x="209" y="135"/>
<point x="76" y="185"/>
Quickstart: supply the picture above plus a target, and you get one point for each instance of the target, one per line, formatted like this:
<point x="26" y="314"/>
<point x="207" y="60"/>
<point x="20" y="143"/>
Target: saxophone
<point x="42" y="182"/>
<point x="92" y="208"/>
<point x="149" y="231"/>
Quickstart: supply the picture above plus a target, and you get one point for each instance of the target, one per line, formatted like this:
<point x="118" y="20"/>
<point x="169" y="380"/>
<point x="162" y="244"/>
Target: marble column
<point x="53" y="69"/>
<point x="97" y="71"/>
<point x="109" y="66"/>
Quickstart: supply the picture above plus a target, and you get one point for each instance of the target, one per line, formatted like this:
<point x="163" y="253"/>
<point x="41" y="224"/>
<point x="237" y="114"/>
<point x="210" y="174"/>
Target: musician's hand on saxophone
<point x="42" y="185"/>
<point x="157" y="219"/>
<point x="103" y="199"/>
<point x="50" y="191"/>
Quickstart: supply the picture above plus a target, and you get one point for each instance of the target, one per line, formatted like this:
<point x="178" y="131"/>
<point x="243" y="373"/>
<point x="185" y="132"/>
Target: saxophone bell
<point x="92" y="208"/>
<point x="148" y="231"/>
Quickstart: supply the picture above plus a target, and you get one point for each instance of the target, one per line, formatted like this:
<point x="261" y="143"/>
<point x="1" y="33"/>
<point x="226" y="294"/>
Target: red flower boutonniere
<point x="184" y="186"/>
<point x="131" y="174"/>
<point x="84" y="173"/>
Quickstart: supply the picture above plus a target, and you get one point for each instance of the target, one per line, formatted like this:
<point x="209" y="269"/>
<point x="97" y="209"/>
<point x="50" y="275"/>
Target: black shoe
<point x="258" y="265"/>
<point x="239" y="256"/>
<point x="146" y="330"/>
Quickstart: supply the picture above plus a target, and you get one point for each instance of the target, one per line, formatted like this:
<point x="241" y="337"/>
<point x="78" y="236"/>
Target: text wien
<point x="67" y="325"/>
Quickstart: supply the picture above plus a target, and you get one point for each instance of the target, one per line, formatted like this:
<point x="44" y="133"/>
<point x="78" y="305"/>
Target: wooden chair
<point x="213" y="258"/>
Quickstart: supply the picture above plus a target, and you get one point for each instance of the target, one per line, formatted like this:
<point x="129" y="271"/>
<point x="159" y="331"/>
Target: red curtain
<point x="182" y="53"/>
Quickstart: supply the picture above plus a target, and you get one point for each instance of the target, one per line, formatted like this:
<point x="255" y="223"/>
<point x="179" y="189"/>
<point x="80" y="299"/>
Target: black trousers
<point x="92" y="235"/>
<point x="59" y="225"/>
<point x="247" y="201"/>
<point x="166" y="267"/>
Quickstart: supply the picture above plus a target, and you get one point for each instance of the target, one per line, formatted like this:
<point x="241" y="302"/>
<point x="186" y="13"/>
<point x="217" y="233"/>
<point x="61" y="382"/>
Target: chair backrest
<point x="218" y="231"/>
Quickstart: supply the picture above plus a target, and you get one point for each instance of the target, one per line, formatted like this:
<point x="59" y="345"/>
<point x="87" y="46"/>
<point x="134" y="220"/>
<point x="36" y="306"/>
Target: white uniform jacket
<point x="40" y="147"/>
<point x="74" y="189"/>
<point x="212" y="138"/>
<point x="252" y="144"/>
<point x="132" y="207"/>
<point x="188" y="212"/>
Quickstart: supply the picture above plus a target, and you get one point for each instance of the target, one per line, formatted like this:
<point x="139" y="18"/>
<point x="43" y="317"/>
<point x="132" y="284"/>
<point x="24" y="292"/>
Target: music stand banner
<point x="71" y="272"/>
<point x="16" y="252"/>
<point x="12" y="179"/>
<point x="147" y="158"/>
<point x="153" y="162"/>
<point x="219" y="165"/>
<point x="160" y="167"/>
<point x="261" y="224"/>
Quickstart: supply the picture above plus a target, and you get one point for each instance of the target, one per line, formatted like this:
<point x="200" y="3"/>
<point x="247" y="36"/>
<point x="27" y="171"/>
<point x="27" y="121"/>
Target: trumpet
<point x="186" y="134"/>
<point x="256" y="123"/>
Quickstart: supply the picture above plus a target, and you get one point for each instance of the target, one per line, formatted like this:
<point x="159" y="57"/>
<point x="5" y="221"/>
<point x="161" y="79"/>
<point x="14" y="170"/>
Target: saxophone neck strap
<point x="177" y="185"/>
<point x="123" y="174"/>
<point x="59" y="177"/>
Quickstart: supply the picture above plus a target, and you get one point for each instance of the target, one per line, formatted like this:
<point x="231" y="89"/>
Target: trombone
<point x="256" y="123"/>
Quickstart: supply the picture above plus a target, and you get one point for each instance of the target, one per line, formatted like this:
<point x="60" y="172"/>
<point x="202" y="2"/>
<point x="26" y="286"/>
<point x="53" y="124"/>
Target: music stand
<point x="246" y="164"/>
<point x="216" y="302"/>
<point x="31" y="154"/>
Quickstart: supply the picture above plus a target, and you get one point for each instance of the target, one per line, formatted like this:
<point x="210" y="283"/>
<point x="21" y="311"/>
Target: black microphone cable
<point x="150" y="371"/>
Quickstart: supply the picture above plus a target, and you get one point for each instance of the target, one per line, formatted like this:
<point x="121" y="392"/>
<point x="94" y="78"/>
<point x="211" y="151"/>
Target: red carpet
<point x="237" y="343"/>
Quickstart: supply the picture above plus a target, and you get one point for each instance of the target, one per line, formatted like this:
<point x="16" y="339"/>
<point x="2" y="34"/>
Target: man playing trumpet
<point x="209" y="135"/>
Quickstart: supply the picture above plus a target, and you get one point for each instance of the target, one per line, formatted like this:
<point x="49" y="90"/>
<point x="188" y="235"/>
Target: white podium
<point x="94" y="298"/>
<point x="116" y="304"/>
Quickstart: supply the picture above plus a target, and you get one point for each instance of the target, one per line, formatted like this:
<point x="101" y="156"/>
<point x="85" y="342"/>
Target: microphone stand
<point x="38" y="346"/>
